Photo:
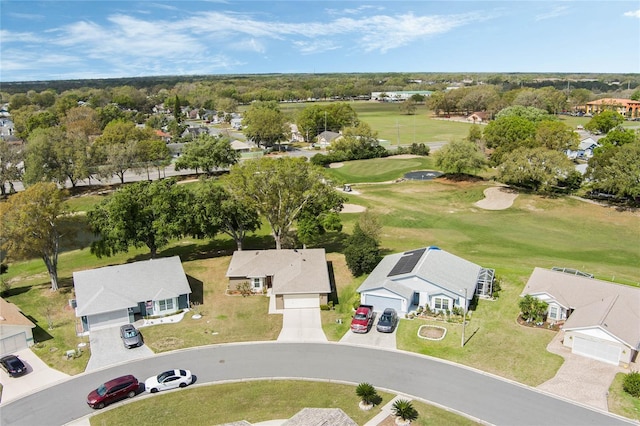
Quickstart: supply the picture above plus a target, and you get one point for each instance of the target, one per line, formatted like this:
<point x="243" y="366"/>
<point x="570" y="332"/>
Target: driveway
<point x="301" y="325"/>
<point x="580" y="379"/>
<point x="39" y="375"/>
<point x="372" y="338"/>
<point x="107" y="349"/>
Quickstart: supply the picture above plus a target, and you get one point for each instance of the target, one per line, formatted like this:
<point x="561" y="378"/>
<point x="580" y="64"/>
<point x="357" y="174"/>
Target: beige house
<point x="16" y="330"/>
<point x="297" y="278"/>
<point x="600" y="320"/>
<point x="625" y="107"/>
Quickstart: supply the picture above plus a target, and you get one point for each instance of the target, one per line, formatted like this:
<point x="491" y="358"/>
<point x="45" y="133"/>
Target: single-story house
<point x="240" y="146"/>
<point x="298" y="278"/>
<point x="16" y="330"/>
<point x="600" y="320"/>
<point x="478" y="117"/>
<point x="115" y="295"/>
<point x="325" y="138"/>
<point x="425" y="277"/>
<point x="585" y="149"/>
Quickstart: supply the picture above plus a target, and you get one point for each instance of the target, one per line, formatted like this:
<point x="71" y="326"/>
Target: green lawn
<point x="257" y="401"/>
<point x="536" y="231"/>
<point x="379" y="169"/>
<point x="622" y="403"/>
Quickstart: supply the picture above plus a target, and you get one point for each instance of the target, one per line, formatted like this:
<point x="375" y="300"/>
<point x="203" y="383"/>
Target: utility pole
<point x="464" y="317"/>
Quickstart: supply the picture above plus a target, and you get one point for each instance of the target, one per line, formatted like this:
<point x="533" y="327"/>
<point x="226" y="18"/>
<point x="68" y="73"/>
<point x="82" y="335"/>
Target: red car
<point x="112" y="391"/>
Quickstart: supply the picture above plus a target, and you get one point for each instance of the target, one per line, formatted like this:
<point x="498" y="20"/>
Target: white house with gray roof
<point x="600" y="320"/>
<point x="114" y="295"/>
<point x="425" y="277"/>
<point x="298" y="278"/>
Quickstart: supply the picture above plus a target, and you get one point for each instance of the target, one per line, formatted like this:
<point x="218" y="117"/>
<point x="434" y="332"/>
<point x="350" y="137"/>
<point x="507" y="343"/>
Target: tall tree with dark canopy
<point x="216" y="210"/>
<point x="30" y="222"/>
<point x="265" y="124"/>
<point x="141" y="214"/>
<point x="281" y="189"/>
<point x="207" y="153"/>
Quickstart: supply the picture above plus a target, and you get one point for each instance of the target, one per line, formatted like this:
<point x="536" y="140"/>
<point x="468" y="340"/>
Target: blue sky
<point x="52" y="40"/>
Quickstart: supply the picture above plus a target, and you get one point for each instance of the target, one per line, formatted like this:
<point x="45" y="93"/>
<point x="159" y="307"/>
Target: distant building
<point x="398" y="96"/>
<point x="625" y="107"/>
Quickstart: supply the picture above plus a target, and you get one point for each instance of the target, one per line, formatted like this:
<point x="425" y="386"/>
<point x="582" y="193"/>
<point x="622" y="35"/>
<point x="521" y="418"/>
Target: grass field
<point x="622" y="403"/>
<point x="535" y="231"/>
<point x="257" y="402"/>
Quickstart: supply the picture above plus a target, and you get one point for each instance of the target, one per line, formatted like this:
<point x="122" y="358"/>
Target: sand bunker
<point x="352" y="208"/>
<point x="497" y="198"/>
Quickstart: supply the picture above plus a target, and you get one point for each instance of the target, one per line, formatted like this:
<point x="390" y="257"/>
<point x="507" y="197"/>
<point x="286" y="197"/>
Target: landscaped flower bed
<point x="432" y="332"/>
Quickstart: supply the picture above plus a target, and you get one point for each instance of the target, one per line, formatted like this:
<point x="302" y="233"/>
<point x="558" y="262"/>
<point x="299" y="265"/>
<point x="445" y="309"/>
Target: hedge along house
<point x="599" y="319"/>
<point x="116" y="295"/>
<point x="425" y="277"/>
<point x="296" y="278"/>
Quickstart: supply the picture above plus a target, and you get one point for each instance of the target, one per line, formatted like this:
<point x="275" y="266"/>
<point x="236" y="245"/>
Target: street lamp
<point x="464" y="317"/>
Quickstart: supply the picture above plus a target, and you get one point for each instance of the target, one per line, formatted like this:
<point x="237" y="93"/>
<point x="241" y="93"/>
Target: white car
<point x="168" y="380"/>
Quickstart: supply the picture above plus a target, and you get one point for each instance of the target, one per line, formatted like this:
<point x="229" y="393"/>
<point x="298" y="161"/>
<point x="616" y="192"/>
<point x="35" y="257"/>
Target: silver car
<point x="387" y="321"/>
<point x="130" y="336"/>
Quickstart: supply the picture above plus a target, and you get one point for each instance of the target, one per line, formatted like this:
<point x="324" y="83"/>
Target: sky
<point x="87" y="39"/>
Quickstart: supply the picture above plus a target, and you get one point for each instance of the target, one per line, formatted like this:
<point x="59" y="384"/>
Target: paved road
<point x="472" y="392"/>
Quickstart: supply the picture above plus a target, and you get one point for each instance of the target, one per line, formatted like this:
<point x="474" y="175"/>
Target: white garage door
<point x="380" y="303"/>
<point x="108" y="319"/>
<point x="296" y="301"/>
<point x="600" y="350"/>
<point x="13" y="343"/>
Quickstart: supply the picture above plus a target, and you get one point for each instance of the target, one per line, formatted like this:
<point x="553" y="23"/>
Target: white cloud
<point x="633" y="13"/>
<point x="555" y="12"/>
<point x="15" y="37"/>
<point x="315" y="46"/>
<point x="249" y="45"/>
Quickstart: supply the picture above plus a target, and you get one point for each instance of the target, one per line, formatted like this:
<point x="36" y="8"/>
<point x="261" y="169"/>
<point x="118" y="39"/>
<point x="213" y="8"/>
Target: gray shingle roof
<point x="612" y="307"/>
<point x="436" y="267"/>
<point x="118" y="287"/>
<point x="293" y="271"/>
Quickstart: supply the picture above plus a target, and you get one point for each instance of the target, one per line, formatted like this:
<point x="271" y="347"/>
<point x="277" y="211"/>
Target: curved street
<point x="477" y="394"/>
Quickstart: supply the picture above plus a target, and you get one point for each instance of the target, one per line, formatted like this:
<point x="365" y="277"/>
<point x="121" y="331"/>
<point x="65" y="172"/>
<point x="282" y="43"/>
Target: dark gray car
<point x="130" y="336"/>
<point x="388" y="321"/>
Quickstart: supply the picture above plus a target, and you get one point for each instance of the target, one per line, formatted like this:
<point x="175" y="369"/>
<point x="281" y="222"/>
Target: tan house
<point x="16" y="330"/>
<point x="478" y="117"/>
<point x="625" y="107"/>
<point x="297" y="278"/>
<point x="600" y="320"/>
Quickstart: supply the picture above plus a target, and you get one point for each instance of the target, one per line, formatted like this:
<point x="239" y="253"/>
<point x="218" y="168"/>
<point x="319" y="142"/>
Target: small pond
<point x="422" y="175"/>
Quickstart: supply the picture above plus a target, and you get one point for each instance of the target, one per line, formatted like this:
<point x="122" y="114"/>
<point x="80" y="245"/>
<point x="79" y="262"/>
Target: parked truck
<point x="363" y="319"/>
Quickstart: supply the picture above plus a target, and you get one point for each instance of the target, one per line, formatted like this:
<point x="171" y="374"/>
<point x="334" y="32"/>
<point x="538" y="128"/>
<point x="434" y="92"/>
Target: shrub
<point x="404" y="409"/>
<point x="631" y="384"/>
<point x="245" y="289"/>
<point x="324" y="307"/>
<point x="367" y="393"/>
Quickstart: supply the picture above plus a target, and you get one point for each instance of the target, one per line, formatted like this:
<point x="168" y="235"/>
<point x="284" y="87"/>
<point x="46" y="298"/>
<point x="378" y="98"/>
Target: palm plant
<point x="367" y="393"/>
<point x="404" y="410"/>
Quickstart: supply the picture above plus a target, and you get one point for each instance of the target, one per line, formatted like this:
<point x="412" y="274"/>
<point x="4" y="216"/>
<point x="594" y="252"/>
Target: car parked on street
<point x="13" y="365"/>
<point x="112" y="391"/>
<point x="388" y="321"/>
<point x="168" y="380"/>
<point x="131" y="337"/>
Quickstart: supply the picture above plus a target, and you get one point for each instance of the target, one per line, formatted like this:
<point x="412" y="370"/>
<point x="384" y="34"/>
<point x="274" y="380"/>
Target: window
<point x="165" y="305"/>
<point x="553" y="312"/>
<point x="256" y="282"/>
<point x="441" y="303"/>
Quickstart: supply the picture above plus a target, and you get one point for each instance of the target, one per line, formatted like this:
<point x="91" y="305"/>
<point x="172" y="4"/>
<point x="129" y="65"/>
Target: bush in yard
<point x="631" y="384"/>
<point x="362" y="253"/>
<point x="404" y="410"/>
<point x="245" y="289"/>
<point x="367" y="394"/>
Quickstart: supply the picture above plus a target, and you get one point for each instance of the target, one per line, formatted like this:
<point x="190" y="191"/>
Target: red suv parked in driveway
<point x="113" y="390"/>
